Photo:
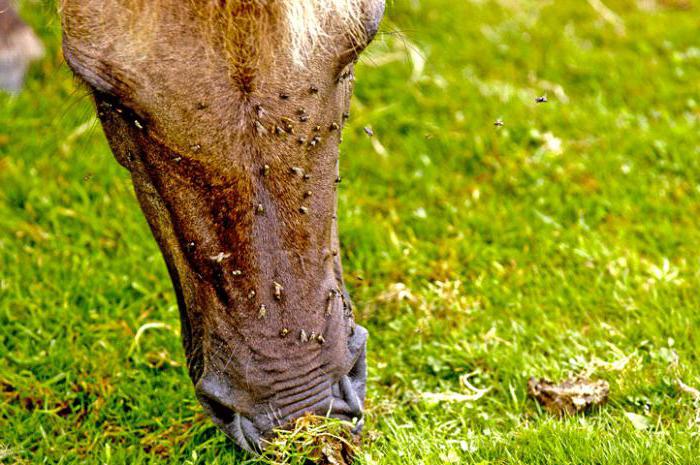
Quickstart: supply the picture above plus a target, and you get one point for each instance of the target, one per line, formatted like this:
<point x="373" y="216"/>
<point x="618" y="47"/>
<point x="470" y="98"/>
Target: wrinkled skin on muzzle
<point x="236" y="170"/>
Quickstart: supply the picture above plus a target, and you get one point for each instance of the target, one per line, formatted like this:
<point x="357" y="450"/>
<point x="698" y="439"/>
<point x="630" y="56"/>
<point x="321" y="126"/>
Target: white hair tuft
<point x="306" y="23"/>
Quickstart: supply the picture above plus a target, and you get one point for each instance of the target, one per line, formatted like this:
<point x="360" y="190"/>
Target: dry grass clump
<point x="313" y="440"/>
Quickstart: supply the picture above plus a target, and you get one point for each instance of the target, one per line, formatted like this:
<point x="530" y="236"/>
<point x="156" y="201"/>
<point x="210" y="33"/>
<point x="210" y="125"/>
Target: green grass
<point x="564" y="242"/>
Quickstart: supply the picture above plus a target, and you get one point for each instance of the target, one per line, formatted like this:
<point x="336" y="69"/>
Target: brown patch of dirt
<point x="575" y="395"/>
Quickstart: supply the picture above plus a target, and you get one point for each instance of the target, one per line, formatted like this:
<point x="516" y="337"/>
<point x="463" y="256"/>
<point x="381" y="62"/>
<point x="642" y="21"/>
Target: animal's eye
<point x="111" y="105"/>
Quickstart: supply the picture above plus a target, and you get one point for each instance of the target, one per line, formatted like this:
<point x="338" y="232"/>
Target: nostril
<point x="221" y="414"/>
<point x="349" y="405"/>
<point x="358" y="372"/>
<point x="350" y="397"/>
<point x="353" y="386"/>
<point x="235" y="425"/>
<point x="219" y="398"/>
<point x="246" y="434"/>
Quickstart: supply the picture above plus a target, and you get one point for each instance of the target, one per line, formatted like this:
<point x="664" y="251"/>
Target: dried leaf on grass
<point x="640" y="422"/>
<point x="5" y="452"/>
<point x="695" y="395"/>
<point x="575" y="395"/>
<point x="691" y="391"/>
<point x="396" y="293"/>
<point x="475" y="394"/>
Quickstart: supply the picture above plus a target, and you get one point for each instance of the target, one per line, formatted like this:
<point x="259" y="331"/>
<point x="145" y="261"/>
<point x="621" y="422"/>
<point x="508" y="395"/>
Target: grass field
<point x="562" y="243"/>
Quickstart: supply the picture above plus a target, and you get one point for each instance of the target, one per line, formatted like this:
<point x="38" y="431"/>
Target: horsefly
<point x="313" y="89"/>
<point x="308" y="194"/>
<point x="296" y="170"/>
<point x="329" y="302"/>
<point x="368" y="130"/>
<point x="284" y="332"/>
<point x="320" y="339"/>
<point x="277" y="290"/>
<point x="237" y="273"/>
<point x="499" y="123"/>
<point x="260" y="209"/>
<point x="542" y="99"/>
<point x="262" y="312"/>
<point x="284" y="96"/>
<point x="347" y="309"/>
<point x="303" y="337"/>
<point x="265" y="170"/>
<point x="102" y="107"/>
<point x="288" y="124"/>
<point x="259" y="128"/>
<point x="251" y="294"/>
<point x="303" y="118"/>
<point x="220" y="257"/>
<point x="334" y="126"/>
<point x="303" y="210"/>
<point x="301" y="140"/>
<point x="346" y="115"/>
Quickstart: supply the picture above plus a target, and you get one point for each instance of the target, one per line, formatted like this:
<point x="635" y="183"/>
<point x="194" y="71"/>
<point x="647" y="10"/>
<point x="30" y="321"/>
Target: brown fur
<point x="250" y="31"/>
<point x="225" y="135"/>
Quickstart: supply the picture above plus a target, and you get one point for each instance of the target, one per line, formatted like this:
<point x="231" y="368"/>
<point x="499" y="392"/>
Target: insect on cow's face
<point x="234" y="157"/>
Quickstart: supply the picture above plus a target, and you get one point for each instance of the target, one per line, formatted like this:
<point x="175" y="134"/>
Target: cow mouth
<point x="341" y="398"/>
